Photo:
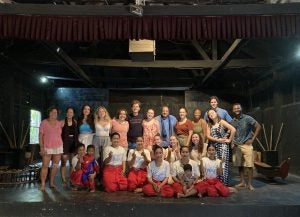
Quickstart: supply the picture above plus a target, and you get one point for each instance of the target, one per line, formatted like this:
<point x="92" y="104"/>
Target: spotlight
<point x="137" y="9"/>
<point x="44" y="79"/>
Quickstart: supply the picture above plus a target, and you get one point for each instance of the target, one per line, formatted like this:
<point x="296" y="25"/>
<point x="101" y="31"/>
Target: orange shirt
<point x="122" y="129"/>
<point x="183" y="129"/>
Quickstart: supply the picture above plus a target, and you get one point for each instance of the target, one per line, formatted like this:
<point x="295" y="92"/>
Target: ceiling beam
<point x="224" y="60"/>
<point x="200" y="50"/>
<point x="179" y="64"/>
<point x="64" y="58"/>
<point x="174" y="10"/>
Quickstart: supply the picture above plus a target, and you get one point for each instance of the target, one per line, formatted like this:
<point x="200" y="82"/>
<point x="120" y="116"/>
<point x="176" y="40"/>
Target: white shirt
<point x="102" y="130"/>
<point x="139" y="159"/>
<point x="210" y="167"/>
<point x="118" y="155"/>
<point x="74" y="162"/>
<point x="177" y="168"/>
<point x="158" y="173"/>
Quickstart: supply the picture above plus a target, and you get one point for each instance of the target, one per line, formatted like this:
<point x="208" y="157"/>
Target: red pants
<point x="177" y="187"/>
<point x="76" y="178"/>
<point x="212" y="187"/>
<point x="136" y="179"/>
<point x="165" y="191"/>
<point x="113" y="180"/>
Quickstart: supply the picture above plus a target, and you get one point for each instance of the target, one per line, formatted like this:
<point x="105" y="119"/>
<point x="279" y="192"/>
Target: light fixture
<point x="137" y="8"/>
<point x="43" y="79"/>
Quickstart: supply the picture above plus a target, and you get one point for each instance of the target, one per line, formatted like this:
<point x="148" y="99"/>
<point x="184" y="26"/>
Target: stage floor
<point x="270" y="198"/>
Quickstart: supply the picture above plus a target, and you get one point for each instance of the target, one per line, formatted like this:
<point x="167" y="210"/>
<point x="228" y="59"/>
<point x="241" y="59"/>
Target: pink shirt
<point x="51" y="134"/>
<point x="122" y="129"/>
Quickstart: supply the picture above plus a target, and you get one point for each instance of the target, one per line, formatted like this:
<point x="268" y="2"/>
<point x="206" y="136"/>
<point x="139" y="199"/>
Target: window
<point x="35" y="121"/>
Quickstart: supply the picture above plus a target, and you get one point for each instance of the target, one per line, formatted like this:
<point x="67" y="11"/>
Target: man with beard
<point x="242" y="144"/>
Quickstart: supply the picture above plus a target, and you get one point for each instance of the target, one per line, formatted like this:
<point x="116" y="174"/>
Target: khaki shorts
<point x="242" y="156"/>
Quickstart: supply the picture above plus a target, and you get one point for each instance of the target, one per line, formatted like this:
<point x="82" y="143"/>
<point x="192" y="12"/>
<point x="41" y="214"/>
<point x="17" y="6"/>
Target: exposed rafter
<point x="68" y="62"/>
<point x="200" y="50"/>
<point x="224" y="60"/>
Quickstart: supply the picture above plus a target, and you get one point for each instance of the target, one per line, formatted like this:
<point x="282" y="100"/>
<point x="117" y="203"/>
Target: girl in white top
<point x="138" y="159"/>
<point x="158" y="172"/>
<point x="102" y="130"/>
<point x="114" y="166"/>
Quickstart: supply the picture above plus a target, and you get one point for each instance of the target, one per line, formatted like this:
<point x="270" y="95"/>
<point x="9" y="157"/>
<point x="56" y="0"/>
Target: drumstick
<point x="265" y="137"/>
<point x="279" y="136"/>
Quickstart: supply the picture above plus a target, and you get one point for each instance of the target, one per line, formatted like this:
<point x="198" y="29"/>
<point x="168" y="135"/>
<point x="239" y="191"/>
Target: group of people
<point x="153" y="155"/>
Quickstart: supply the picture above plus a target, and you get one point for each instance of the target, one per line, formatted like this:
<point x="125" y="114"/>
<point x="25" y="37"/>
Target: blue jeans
<point x="131" y="145"/>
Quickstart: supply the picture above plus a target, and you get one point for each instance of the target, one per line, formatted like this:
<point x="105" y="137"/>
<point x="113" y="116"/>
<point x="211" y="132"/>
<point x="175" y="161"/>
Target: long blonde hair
<point x="106" y="117"/>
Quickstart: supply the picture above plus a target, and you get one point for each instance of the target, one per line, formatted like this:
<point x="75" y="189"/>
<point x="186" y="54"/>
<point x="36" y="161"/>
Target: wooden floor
<point x="270" y="198"/>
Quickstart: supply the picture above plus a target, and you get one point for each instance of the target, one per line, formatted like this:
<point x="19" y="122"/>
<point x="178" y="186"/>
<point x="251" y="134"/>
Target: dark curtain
<point x="87" y="29"/>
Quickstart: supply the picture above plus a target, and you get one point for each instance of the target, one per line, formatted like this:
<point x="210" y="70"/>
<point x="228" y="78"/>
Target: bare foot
<point x="180" y="195"/>
<point x="250" y="188"/>
<point x="138" y="190"/>
<point x="42" y="188"/>
<point x="64" y="183"/>
<point x="232" y="190"/>
<point x="92" y="190"/>
<point x="52" y="186"/>
<point x="241" y="185"/>
<point x="200" y="195"/>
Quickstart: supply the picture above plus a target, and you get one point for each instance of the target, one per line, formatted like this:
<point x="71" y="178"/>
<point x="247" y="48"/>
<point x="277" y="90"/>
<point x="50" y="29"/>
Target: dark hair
<point x="155" y="147"/>
<point x="157" y="134"/>
<point x="210" y="121"/>
<point x="184" y="109"/>
<point x="200" y="145"/>
<point x="80" y="145"/>
<point x="90" y="147"/>
<point x="52" y="108"/>
<point x="119" y="112"/>
<point x="197" y="108"/>
<point x="214" y="97"/>
<point x="187" y="167"/>
<point x="184" y="146"/>
<point x="90" y="118"/>
<point x="236" y="104"/>
<point x="113" y="134"/>
<point x="74" y="122"/>
<point x="211" y="145"/>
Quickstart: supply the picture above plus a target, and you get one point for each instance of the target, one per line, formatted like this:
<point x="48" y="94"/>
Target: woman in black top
<point x="70" y="141"/>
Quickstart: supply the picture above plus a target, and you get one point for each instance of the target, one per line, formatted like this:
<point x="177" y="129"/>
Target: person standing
<point x="167" y="124"/>
<point x="222" y="113"/>
<point x="70" y="142"/>
<point x="184" y="128"/>
<point x="150" y="129"/>
<point x="86" y="126"/>
<point x="102" y="130"/>
<point x="51" y="146"/>
<point x="121" y="126"/>
<point x="243" y="149"/>
<point x="199" y="124"/>
<point x="135" y="124"/>
<point x="217" y="135"/>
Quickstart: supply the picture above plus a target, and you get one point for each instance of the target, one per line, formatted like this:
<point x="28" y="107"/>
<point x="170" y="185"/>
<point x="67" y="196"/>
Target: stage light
<point x="137" y="9"/>
<point x="43" y="79"/>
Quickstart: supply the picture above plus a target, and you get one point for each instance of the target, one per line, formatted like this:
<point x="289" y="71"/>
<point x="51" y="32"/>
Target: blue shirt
<point x="243" y="126"/>
<point x="222" y="113"/>
<point x="85" y="128"/>
<point x="166" y="128"/>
